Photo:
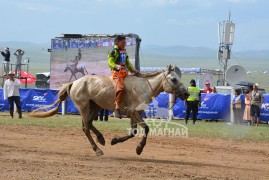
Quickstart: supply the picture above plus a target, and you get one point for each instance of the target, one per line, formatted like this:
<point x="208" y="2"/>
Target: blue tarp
<point x="214" y="106"/>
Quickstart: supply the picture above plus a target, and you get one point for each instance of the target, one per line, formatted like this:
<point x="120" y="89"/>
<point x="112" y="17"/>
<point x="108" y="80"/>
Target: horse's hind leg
<point x="70" y="78"/>
<point x="94" y="109"/>
<point x="86" y="128"/>
<point x="131" y="134"/>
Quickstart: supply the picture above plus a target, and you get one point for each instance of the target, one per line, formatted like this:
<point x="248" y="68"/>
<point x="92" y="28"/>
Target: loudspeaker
<point x="42" y="84"/>
<point x="42" y="77"/>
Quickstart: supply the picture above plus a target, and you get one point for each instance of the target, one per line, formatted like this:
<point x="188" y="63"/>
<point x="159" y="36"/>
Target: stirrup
<point x="117" y="113"/>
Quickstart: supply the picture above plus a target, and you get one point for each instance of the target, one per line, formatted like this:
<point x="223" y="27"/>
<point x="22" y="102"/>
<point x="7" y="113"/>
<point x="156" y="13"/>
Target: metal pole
<point x="63" y="108"/>
<point x="171" y="104"/>
<point x="224" y="73"/>
<point x="231" y="107"/>
<point x="137" y="60"/>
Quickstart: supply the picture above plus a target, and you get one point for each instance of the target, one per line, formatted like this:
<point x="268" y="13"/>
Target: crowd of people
<point x="6" y="64"/>
<point x="253" y="100"/>
<point x="246" y="108"/>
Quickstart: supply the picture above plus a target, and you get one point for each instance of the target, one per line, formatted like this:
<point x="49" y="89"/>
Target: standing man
<point x="104" y="115"/>
<point x="6" y="55"/>
<point x="257" y="99"/>
<point x="193" y="101"/>
<point x="119" y="63"/>
<point x="208" y="88"/>
<point x="11" y="92"/>
<point x="19" y="53"/>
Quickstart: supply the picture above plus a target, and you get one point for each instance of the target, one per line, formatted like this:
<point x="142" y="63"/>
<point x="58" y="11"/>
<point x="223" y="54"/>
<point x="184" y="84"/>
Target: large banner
<point x="75" y="58"/>
<point x="3" y="103"/>
<point x="213" y="106"/>
<point x="265" y="108"/>
<point x="158" y="108"/>
<point x="32" y="99"/>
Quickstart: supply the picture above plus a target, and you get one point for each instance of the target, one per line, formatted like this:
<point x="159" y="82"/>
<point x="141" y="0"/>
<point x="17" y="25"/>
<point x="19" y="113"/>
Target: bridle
<point x="165" y="77"/>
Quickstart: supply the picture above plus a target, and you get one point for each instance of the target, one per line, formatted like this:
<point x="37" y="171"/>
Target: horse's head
<point x="66" y="68"/>
<point x="172" y="83"/>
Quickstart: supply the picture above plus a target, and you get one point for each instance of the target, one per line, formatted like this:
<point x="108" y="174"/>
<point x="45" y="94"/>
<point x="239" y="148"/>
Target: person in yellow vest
<point x="193" y="102"/>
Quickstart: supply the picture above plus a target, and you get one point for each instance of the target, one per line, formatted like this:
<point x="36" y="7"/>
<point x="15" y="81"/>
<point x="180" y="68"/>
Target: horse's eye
<point x="174" y="80"/>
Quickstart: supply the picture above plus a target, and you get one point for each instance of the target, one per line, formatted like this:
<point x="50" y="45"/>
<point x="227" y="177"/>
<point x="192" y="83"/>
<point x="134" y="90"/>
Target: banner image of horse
<point x="80" y="68"/>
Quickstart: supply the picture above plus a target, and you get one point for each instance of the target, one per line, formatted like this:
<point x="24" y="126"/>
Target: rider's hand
<point x="118" y="67"/>
<point x="136" y="72"/>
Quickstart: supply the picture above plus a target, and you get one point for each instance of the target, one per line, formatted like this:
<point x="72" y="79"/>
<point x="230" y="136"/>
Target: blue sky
<point x="158" y="22"/>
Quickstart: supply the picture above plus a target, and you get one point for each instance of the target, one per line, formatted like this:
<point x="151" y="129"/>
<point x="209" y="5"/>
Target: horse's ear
<point x="177" y="71"/>
<point x="169" y="68"/>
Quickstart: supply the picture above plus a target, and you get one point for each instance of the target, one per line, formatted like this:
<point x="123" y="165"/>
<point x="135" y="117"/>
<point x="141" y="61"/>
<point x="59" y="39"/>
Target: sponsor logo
<point x="39" y="98"/>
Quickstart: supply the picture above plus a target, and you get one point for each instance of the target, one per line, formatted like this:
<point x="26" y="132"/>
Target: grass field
<point x="202" y="129"/>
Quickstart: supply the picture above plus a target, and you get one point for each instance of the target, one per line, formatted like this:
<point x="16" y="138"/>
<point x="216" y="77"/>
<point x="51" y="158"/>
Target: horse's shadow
<point x="171" y="162"/>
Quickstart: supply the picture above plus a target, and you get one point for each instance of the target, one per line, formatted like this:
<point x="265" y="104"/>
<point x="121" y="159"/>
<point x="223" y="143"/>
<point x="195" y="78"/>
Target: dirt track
<point x="52" y="153"/>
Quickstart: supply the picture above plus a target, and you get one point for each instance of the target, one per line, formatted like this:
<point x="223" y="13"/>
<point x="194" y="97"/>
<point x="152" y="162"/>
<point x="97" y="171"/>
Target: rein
<point x="159" y="97"/>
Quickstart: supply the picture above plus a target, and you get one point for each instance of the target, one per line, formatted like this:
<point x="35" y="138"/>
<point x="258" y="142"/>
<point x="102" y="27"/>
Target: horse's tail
<point x="63" y="94"/>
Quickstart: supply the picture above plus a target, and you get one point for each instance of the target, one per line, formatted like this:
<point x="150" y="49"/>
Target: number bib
<point x="122" y="57"/>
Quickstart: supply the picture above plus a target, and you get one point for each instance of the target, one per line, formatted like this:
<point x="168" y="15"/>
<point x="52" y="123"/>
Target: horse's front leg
<point x="70" y="78"/>
<point x="145" y="127"/>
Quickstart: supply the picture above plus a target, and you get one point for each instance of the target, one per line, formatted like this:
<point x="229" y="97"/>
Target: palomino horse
<point x="73" y="69"/>
<point x="91" y="93"/>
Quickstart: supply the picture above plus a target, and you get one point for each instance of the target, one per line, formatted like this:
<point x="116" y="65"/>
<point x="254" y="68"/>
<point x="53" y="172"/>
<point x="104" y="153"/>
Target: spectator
<point x="66" y="44"/>
<point x="6" y="55"/>
<point x="11" y="92"/>
<point x="214" y="90"/>
<point x="19" y="53"/>
<point x="207" y="89"/>
<point x="247" y="95"/>
<point x="193" y="101"/>
<point x="237" y="106"/>
<point x="257" y="99"/>
<point x="103" y="115"/>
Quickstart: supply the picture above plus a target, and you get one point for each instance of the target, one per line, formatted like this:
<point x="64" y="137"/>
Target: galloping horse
<point x="91" y="93"/>
<point x="73" y="69"/>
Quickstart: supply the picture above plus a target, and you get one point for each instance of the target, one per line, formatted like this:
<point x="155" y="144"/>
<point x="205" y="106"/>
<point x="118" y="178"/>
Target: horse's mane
<point x="150" y="74"/>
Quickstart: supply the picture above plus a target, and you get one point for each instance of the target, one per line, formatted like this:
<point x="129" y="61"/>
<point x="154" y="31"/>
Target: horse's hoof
<point x="99" y="152"/>
<point x="114" y="141"/>
<point x="139" y="150"/>
<point x="101" y="139"/>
